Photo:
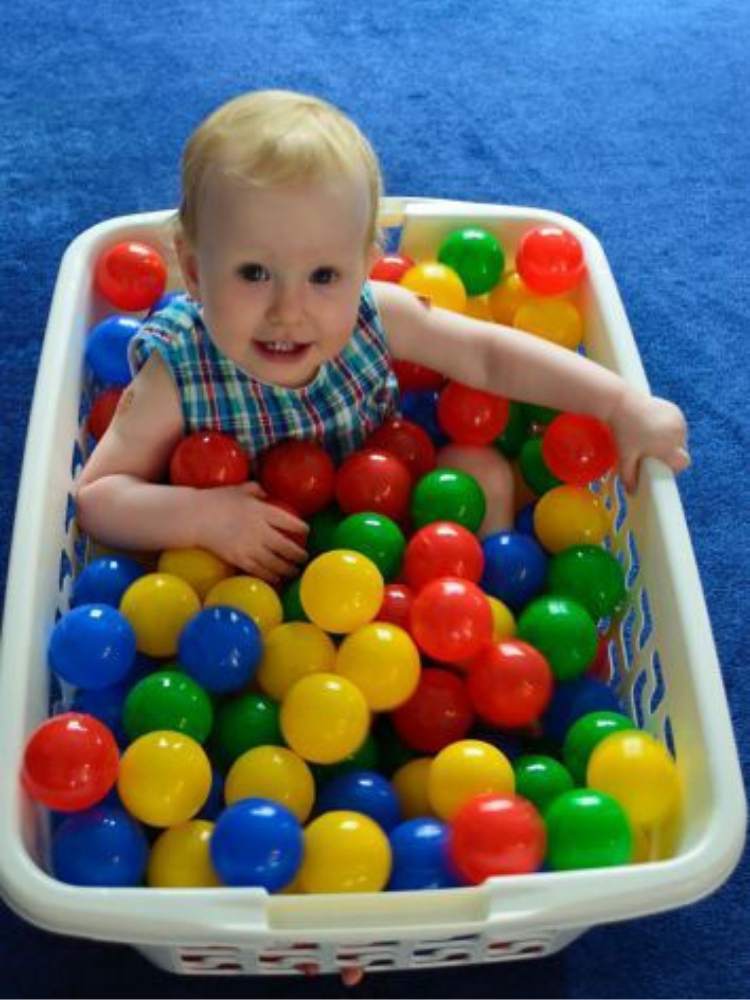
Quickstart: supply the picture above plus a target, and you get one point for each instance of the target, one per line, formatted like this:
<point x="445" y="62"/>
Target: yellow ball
<point x="292" y="651"/>
<point x="503" y="622"/>
<point x="269" y="772"/>
<point x="634" y="768"/>
<point x="438" y="283"/>
<point x="158" y="606"/>
<point x="507" y="298"/>
<point x="383" y="661"/>
<point x="255" y="597"/>
<point x="165" y="778"/>
<point x="570" y="515"/>
<point x="478" y="307"/>
<point x="341" y="590"/>
<point x="410" y="785"/>
<point x="552" y="319"/>
<point x="180" y="858"/>
<point x="324" y="718"/>
<point x="344" y="852"/>
<point x="198" y="567"/>
<point x="464" y="769"/>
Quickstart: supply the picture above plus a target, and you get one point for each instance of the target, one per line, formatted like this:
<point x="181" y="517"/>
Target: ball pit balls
<point x="639" y="772"/>
<point x="105" y="580"/>
<point x="301" y="473"/>
<point x="507" y="297"/>
<point x="102" y="411"/>
<point x="476" y="256"/>
<point x="168" y="699"/>
<point x="540" y="779"/>
<point x="257" y="842"/>
<point x="207" y="459"/>
<point x="164" y="778"/>
<point x="550" y="260"/>
<point x="442" y="548"/>
<point x="291" y="651"/>
<point x="341" y="590"/>
<point x="556" y="320"/>
<point x="158" y="606"/>
<point x="578" y="448"/>
<point x="421" y="858"/>
<point x="106" y="351"/>
<point x="563" y="631"/>
<point x="344" y="851"/>
<point x="573" y="699"/>
<point x="451" y="619"/>
<point x="515" y="568"/>
<point x="391" y="267"/>
<point x="509" y="683"/>
<point x="220" y="648"/>
<point x="463" y="770"/>
<point x="496" y="835"/>
<point x="586" y="734"/>
<point x="376" y="481"/>
<point x="131" y="275"/>
<point x="437" y="283"/>
<point x="253" y="597"/>
<point x="590" y="575"/>
<point x="383" y="662"/>
<point x="408" y="442"/>
<point x="535" y="471"/>
<point x="374" y="535"/>
<point x="396" y="606"/>
<point x="438" y="713"/>
<point x="275" y="773"/>
<point x="92" y="646"/>
<point x="503" y="622"/>
<point x="363" y="792"/>
<point x="243" y="722"/>
<point x="414" y="378"/>
<point x="587" y="829"/>
<point x="448" y="495"/>
<point x="324" y="718"/>
<point x="410" y="783"/>
<point x="570" y="515"/>
<point x="199" y="568"/>
<point x="471" y="416"/>
<point x="181" y="858"/>
<point x="479" y="308"/>
<point x="102" y="846"/>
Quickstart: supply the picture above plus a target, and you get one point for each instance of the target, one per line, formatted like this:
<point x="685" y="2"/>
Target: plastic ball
<point x="197" y="567"/>
<point x="509" y="683"/>
<point x="168" y="699"/>
<point x="106" y="705"/>
<point x="92" y="646"/>
<point x="244" y="722"/>
<point x="478" y="307"/>
<point x="100" y="847"/>
<point x="503" y="622"/>
<point x="376" y="481"/>
<point x="421" y="408"/>
<point x="437" y="283"/>
<point x="220" y="648"/>
<point x="578" y="448"/>
<point x="573" y="699"/>
<point x="250" y="595"/>
<point x="322" y="528"/>
<point x="365" y="758"/>
<point x="524" y="520"/>
<point x="464" y="770"/>
<point x="540" y="779"/>
<point x="438" y="713"/>
<point x="207" y="459"/>
<point x="164" y="778"/>
<point x="471" y="416"/>
<point x="324" y="718"/>
<point x="215" y="801"/>
<point x="476" y="256"/>
<point x="587" y="829"/>
<point x="257" y="842"/>
<point x="507" y="297"/>
<point x="364" y="792"/>
<point x="70" y="762"/>
<point x="416" y="379"/>
<point x="639" y="772"/>
<point x="421" y="858"/>
<point x="107" y="349"/>
<point x="158" y="606"/>
<point x="341" y="590"/>
<point x="181" y="858"/>
<point x="131" y="275"/>
<point x="510" y="442"/>
<point x="410" y="783"/>
<point x="451" y="619"/>
<point x="570" y="515"/>
<point x="557" y="320"/>
<point x="448" y="495"/>
<point x="383" y="662"/>
<point x="344" y="852"/>
<point x="301" y="473"/>
<point x="563" y="631"/>
<point x="291" y="603"/>
<point x="391" y="267"/>
<point x="272" y="772"/>
<point x="102" y="411"/>
<point x="515" y="568"/>
<point x="586" y="734"/>
<point x="292" y="651"/>
<point x="442" y="548"/>
<point x="408" y="442"/>
<point x="105" y="580"/>
<point x="496" y="834"/>
<point x="375" y="536"/>
<point x="590" y="575"/>
<point x="535" y="471"/>
<point x="550" y="260"/>
<point x="396" y="606"/>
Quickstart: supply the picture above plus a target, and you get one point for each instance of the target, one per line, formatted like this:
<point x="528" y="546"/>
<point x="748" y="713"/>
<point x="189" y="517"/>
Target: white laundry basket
<point x="664" y="660"/>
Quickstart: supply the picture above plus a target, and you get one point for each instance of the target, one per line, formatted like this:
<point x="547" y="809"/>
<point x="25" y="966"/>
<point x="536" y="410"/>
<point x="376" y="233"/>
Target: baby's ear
<point x="188" y="264"/>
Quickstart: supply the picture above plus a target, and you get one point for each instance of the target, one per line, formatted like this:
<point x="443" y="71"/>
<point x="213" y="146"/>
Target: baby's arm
<point x="524" y="367"/>
<point x="120" y="504"/>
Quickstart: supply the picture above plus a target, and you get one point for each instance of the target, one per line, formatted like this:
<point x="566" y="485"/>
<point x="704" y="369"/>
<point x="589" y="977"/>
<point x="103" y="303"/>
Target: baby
<point x="282" y="335"/>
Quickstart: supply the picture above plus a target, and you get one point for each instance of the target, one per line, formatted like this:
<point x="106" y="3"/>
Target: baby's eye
<point x="253" y="272"/>
<point x="324" y="276"/>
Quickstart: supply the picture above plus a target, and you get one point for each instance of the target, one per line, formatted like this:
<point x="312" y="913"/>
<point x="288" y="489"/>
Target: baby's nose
<point x="287" y="304"/>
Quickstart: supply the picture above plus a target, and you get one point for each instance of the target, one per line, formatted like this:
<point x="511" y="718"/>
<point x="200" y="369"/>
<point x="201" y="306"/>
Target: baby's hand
<point x="235" y="524"/>
<point x="646" y="426"/>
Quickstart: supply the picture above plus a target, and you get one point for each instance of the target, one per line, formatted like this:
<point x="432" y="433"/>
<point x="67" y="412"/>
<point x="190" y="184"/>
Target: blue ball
<point x="92" y="646"/>
<point x="107" y="349"/>
<point x="214" y="804"/>
<point x="220" y="648"/>
<point x="361" y="791"/>
<point x="524" y="522"/>
<point x="572" y="699"/>
<point x="257" y="842"/>
<point x="421" y="408"/>
<point x="101" y="846"/>
<point x="105" y="580"/>
<point x="420" y="856"/>
<point x="106" y="705"/>
<point x="515" y="568"/>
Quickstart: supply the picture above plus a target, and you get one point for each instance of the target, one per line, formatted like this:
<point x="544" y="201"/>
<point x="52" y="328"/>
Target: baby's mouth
<point x="280" y="350"/>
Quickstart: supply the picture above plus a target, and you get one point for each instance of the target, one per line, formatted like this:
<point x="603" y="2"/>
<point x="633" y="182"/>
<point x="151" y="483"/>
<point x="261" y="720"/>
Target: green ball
<point x="168" y="699"/>
<point x="534" y="469"/>
<point x="322" y="528"/>
<point x="291" y="604"/>
<point x="363" y="759"/>
<point x="590" y="575"/>
<point x="448" y="495"/>
<point x="541" y="779"/>
<point x="476" y="256"/>
<point x="585" y="734"/>
<point x="563" y="631"/>
<point x="376" y="536"/>
<point x="252" y="720"/>
<point x="511" y="440"/>
<point x="587" y="829"/>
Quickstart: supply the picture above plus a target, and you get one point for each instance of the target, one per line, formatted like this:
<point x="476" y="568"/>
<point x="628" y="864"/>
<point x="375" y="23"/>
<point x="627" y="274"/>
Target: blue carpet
<point x="631" y="117"/>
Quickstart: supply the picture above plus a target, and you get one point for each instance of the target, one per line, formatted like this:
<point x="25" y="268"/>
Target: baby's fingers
<point x="629" y="465"/>
<point x="679" y="460"/>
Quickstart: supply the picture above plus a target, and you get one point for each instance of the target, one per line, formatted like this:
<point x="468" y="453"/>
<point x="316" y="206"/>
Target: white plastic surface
<point x="665" y="655"/>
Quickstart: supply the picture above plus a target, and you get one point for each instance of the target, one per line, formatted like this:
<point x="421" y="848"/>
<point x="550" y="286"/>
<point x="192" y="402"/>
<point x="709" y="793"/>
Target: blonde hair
<point x="271" y="137"/>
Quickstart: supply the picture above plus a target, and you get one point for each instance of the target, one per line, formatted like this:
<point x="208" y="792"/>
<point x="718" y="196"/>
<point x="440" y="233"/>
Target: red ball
<point x="471" y="416"/>
<point x="208" y="458"/>
<point x="375" y="481"/>
<point x="550" y="260"/>
<point x="102" y="410"/>
<point x="407" y="441"/>
<point x="578" y="448"/>
<point x="300" y="472"/>
<point x="396" y="606"/>
<point x="495" y="834"/>
<point x="438" y="713"/>
<point x="451" y="619"/>
<point x="601" y="668"/>
<point x="391" y="267"/>
<point x="70" y="762"/>
<point x="416" y="378"/>
<point x="510" y="683"/>
<point x="131" y="275"/>
<point x="442" y="548"/>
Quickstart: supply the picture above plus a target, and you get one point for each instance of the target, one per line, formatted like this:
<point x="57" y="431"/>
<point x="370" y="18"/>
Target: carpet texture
<point x="631" y="117"/>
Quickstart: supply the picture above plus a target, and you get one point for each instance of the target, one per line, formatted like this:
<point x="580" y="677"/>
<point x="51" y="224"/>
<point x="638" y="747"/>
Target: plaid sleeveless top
<point x="349" y="397"/>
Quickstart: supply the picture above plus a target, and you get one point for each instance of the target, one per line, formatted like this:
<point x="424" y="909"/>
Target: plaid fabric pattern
<point x="349" y="397"/>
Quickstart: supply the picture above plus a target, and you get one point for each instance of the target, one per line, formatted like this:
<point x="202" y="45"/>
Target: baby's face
<point x="279" y="272"/>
